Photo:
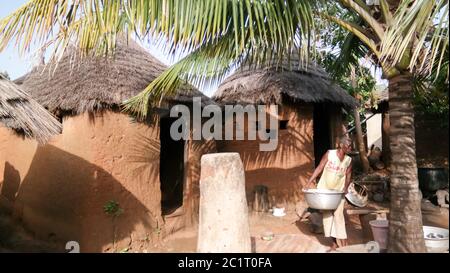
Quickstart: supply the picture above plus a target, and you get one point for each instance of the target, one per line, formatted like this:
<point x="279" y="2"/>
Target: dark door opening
<point x="171" y="168"/>
<point x="321" y="134"/>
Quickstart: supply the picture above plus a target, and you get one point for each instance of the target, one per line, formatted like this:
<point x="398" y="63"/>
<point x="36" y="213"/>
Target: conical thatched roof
<point x="96" y="83"/>
<point x="272" y="84"/>
<point x="21" y="113"/>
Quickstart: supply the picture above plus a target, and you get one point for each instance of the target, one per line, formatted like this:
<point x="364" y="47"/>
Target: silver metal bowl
<point x="357" y="195"/>
<point x="436" y="239"/>
<point x="323" y="199"/>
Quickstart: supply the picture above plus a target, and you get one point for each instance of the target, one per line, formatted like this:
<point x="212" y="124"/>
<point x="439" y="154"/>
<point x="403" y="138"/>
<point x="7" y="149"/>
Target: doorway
<point x="322" y="132"/>
<point x="171" y="168"/>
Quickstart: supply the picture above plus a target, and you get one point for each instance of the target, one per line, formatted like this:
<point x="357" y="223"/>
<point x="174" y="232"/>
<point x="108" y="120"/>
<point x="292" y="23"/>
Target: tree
<point x="406" y="38"/>
<point x="219" y="34"/>
<point x="431" y="94"/>
<point x="359" y="135"/>
<point x="340" y="57"/>
<point x="360" y="85"/>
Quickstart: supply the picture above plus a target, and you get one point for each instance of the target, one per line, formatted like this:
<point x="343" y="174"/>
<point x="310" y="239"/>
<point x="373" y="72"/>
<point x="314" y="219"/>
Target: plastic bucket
<point x="380" y="230"/>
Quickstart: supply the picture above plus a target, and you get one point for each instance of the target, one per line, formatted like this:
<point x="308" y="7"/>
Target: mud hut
<point x="108" y="181"/>
<point x="21" y="113"/>
<point x="310" y="120"/>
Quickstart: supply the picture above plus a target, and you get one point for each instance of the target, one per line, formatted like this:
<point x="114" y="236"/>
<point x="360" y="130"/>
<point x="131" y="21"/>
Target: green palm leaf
<point x="418" y="35"/>
<point x="196" y="26"/>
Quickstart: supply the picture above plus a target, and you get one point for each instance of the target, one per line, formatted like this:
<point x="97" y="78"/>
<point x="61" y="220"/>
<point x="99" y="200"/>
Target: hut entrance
<point x="171" y="168"/>
<point x="322" y="133"/>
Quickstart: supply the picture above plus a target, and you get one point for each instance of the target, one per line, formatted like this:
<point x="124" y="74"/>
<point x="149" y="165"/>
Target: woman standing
<point x="336" y="170"/>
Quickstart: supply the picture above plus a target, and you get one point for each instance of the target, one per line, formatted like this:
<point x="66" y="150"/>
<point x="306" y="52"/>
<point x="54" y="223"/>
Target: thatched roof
<point x="95" y="83"/>
<point x="24" y="115"/>
<point x="272" y="84"/>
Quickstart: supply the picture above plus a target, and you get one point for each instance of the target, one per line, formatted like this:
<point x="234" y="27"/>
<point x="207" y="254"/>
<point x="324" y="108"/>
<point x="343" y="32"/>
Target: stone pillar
<point x="223" y="212"/>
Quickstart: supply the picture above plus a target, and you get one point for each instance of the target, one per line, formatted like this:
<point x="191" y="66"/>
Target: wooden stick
<point x="365" y="211"/>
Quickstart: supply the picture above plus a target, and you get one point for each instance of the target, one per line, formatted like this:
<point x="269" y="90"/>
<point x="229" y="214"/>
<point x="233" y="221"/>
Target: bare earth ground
<point x="13" y="238"/>
<point x="291" y="235"/>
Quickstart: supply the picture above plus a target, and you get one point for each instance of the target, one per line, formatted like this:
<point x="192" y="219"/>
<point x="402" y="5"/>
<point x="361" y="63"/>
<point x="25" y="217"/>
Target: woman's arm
<point x="318" y="170"/>
<point x="348" y="177"/>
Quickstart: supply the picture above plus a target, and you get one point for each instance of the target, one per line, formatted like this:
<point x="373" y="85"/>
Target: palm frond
<point x="363" y="11"/>
<point x="387" y="14"/>
<point x="86" y="24"/>
<point x="187" y="24"/>
<point x="418" y="36"/>
<point x="205" y="66"/>
<point x="37" y="19"/>
<point x="351" y="51"/>
<point x="218" y="32"/>
<point x="356" y="30"/>
<point x="194" y="23"/>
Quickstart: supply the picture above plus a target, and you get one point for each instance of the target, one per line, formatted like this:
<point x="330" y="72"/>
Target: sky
<point x="17" y="65"/>
<point x="10" y="60"/>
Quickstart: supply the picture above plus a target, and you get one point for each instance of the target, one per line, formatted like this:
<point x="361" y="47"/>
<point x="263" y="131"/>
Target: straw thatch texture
<point x="272" y="84"/>
<point x="24" y="115"/>
<point x="77" y="85"/>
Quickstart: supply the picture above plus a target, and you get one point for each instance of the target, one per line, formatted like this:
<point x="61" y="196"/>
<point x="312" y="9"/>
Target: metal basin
<point x="323" y="199"/>
<point x="357" y="195"/>
<point x="436" y="239"/>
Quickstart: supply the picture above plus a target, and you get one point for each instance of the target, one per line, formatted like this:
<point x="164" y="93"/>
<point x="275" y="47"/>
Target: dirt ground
<point x="14" y="238"/>
<point x="291" y="235"/>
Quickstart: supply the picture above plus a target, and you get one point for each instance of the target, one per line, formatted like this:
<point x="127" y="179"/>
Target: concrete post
<point x="223" y="219"/>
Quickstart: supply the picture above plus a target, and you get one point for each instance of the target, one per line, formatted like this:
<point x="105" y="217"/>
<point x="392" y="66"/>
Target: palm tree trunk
<point x="385" y="138"/>
<point x="360" y="142"/>
<point x="405" y="220"/>
<point x="359" y="135"/>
